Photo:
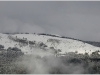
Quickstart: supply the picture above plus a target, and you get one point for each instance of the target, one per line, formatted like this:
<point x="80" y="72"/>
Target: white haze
<point x="36" y="65"/>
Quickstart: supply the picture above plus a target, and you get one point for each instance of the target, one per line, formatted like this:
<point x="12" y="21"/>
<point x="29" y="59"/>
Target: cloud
<point x="11" y="25"/>
<point x="76" y="19"/>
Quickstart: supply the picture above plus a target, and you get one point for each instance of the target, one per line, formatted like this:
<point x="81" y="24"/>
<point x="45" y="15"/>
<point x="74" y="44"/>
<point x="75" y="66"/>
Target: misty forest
<point x="14" y="61"/>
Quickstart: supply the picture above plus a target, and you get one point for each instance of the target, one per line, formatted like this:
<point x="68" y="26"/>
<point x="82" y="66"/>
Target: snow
<point x="65" y="45"/>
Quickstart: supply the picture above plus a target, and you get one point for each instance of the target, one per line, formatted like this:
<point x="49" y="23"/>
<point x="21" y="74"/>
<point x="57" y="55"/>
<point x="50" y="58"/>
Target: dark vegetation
<point x="9" y="57"/>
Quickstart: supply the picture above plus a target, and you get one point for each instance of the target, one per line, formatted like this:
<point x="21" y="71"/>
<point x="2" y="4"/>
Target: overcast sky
<point x="80" y="20"/>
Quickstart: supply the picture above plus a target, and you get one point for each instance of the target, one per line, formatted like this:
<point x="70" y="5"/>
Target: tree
<point x="1" y="47"/>
<point x="14" y="52"/>
<point x="95" y="54"/>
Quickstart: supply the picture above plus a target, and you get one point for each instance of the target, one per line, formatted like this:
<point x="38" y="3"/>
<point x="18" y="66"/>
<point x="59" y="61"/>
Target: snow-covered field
<point x="65" y="45"/>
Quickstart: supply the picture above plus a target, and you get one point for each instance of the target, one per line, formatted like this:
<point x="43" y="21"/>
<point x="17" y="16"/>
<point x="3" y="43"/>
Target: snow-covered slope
<point x="65" y="45"/>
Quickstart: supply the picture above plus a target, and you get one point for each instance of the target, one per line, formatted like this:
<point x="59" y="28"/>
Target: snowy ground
<point x="65" y="45"/>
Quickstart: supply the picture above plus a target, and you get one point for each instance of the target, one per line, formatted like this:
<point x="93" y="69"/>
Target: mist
<point x="48" y="63"/>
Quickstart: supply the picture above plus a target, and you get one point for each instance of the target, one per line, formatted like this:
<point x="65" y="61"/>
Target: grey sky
<point x="80" y="20"/>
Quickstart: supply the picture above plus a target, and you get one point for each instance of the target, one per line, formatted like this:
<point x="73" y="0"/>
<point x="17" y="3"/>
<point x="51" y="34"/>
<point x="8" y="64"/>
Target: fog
<point x="48" y="64"/>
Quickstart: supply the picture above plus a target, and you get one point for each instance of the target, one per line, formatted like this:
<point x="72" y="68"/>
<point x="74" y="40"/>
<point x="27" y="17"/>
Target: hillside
<point x="33" y="43"/>
<point x="46" y="54"/>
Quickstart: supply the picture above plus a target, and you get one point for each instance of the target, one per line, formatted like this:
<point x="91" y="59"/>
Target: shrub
<point x="1" y="46"/>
